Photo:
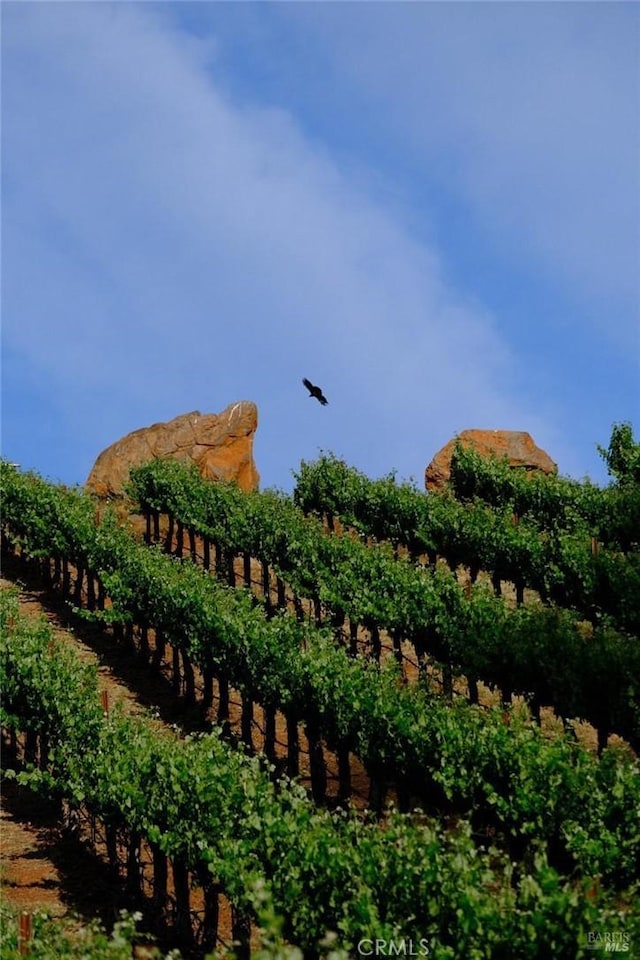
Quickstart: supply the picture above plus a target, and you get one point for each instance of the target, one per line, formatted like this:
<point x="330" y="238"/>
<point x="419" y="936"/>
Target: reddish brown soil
<point x="47" y="868"/>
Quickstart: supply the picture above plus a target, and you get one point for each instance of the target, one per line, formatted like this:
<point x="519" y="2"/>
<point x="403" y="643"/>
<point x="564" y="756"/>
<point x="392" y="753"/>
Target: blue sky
<point x="430" y="209"/>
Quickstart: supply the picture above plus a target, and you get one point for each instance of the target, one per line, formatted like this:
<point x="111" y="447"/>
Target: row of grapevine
<point x="565" y="567"/>
<point x="266" y="847"/>
<point x="611" y="515"/>
<point x="475" y="633"/>
<point x="466" y="760"/>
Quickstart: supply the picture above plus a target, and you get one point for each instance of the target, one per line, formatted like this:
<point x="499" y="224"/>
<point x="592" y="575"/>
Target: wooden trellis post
<point x="189" y="678"/>
<point x="175" y="658"/>
<point x="231" y="570"/>
<point x="160" y="876"/>
<point x="266" y="589"/>
<point x="376" y="646"/>
<point x="270" y="731"/>
<point x="211" y="914"/>
<point x="207" y="685"/>
<point x="344" y="772"/>
<point x="353" y="637"/>
<point x="223" y="702"/>
<point x="133" y="864"/>
<point x="179" y="550"/>
<point x="247" y="720"/>
<point x="241" y="930"/>
<point x="25" y="934"/>
<point x="293" y="747"/>
<point x="169" y="540"/>
<point x="183" y="900"/>
<point x="316" y="763"/>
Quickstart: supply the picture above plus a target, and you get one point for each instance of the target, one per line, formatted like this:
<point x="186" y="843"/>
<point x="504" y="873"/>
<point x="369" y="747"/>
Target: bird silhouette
<point x="315" y="392"/>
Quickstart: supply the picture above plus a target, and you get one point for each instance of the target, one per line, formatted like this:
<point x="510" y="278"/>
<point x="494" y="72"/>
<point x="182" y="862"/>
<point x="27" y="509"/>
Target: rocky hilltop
<point x="219" y="444"/>
<point x="517" y="445"/>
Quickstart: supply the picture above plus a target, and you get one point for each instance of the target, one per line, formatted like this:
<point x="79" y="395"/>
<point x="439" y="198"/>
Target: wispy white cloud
<point x="530" y="112"/>
<point x="171" y="248"/>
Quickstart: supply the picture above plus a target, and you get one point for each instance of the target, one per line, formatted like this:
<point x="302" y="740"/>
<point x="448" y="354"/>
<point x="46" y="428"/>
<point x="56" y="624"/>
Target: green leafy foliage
<point x="55" y="939"/>
<point x="532" y="530"/>
<point x="456" y="756"/>
<point x="301" y="871"/>
<point x="623" y="456"/>
<point x="475" y="632"/>
<point x="304" y="872"/>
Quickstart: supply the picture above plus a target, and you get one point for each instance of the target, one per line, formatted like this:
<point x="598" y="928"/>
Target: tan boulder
<point x="220" y="445"/>
<point x="517" y="445"/>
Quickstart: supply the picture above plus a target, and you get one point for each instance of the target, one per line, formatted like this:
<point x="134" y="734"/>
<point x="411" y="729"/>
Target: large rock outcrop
<point x="517" y="445"/>
<point x="220" y="445"/>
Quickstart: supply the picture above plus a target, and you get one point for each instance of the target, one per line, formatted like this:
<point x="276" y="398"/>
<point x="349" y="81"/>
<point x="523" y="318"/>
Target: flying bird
<point x="315" y="392"/>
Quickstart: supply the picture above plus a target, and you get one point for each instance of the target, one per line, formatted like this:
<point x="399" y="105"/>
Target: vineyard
<point x="418" y="714"/>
